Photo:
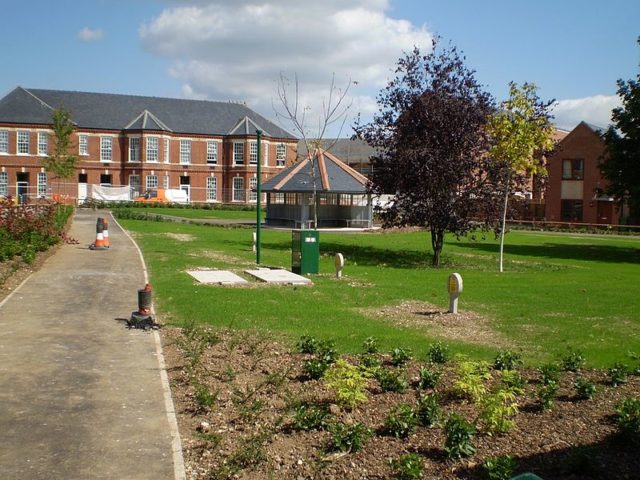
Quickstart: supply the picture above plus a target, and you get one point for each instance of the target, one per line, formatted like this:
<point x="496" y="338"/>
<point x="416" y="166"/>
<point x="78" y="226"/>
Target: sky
<point x="238" y="50"/>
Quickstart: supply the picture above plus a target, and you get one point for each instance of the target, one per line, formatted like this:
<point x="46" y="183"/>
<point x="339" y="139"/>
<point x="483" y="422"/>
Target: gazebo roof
<point x="332" y="175"/>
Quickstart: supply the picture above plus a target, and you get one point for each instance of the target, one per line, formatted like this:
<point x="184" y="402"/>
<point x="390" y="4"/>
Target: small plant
<point x="400" y="356"/>
<point x="401" y="421"/>
<point x="628" y="418"/>
<point x="470" y="381"/>
<point x="307" y="344"/>
<point x="407" y="467"/>
<point x="546" y="394"/>
<point x="438" y="353"/>
<point x="326" y="351"/>
<point x="572" y="361"/>
<point x="391" y="380"/>
<point x="348" y="438"/>
<point x="310" y="417"/>
<point x="513" y="381"/>
<point x="204" y="397"/>
<point x="370" y="345"/>
<point x="498" y="410"/>
<point x="370" y="361"/>
<point x="499" y="468"/>
<point x="507" y="360"/>
<point x="459" y="434"/>
<point x="349" y="383"/>
<point x="428" y="409"/>
<point x="550" y="373"/>
<point x="618" y="374"/>
<point x="428" y="378"/>
<point x="585" y="389"/>
<point x="315" y="368"/>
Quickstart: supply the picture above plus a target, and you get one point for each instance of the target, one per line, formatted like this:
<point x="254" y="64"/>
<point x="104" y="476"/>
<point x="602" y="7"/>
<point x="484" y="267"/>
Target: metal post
<point x="258" y="200"/>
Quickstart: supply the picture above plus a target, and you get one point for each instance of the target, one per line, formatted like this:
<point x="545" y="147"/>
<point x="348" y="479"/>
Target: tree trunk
<point x="504" y="220"/>
<point x="437" y="241"/>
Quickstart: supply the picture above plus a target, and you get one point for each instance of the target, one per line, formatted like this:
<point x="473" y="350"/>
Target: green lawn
<point x="196" y="213"/>
<point x="558" y="290"/>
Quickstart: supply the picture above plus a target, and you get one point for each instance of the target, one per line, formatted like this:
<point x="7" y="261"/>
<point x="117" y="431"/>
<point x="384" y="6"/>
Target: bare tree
<point x="310" y="127"/>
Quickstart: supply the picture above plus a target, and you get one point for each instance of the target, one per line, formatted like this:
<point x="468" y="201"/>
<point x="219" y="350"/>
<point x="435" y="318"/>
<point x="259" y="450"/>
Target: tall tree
<point x="521" y="133"/>
<point x="431" y="137"/>
<point x="621" y="164"/>
<point x="60" y="162"/>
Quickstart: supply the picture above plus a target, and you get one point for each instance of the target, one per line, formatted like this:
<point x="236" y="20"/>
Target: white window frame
<point x="134" y="149"/>
<point x="151" y="182"/>
<point x="4" y="184"/>
<point x="4" y="141"/>
<point x="165" y="182"/>
<point x="22" y="142"/>
<point x="153" y="147"/>
<point x="185" y="151"/>
<point x="281" y="155"/>
<point x="106" y="149"/>
<point x="253" y="184"/>
<point x="212" y="152"/>
<point x="42" y="185"/>
<point x="253" y="153"/>
<point x="167" y="149"/>
<point x="265" y="154"/>
<point x="43" y="144"/>
<point x="237" y="191"/>
<point x="212" y="189"/>
<point x="238" y="153"/>
<point x="83" y="145"/>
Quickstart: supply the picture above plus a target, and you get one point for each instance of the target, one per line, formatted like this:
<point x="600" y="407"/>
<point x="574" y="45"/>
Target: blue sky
<point x="235" y="49"/>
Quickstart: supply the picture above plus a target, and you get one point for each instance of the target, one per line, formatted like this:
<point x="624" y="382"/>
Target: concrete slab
<point x="278" y="276"/>
<point x="220" y="277"/>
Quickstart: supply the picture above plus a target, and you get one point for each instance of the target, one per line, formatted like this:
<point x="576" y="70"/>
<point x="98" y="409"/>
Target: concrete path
<point x="81" y="396"/>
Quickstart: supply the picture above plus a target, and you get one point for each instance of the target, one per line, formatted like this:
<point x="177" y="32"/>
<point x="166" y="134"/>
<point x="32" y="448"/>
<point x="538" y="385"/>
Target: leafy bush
<point x="407" y="467"/>
<point x="348" y="438"/>
<point x="513" y="381"/>
<point x="401" y="421"/>
<point x="349" y="383"/>
<point x="315" y="368"/>
<point x="507" y="360"/>
<point x="628" y="418"/>
<point x="550" y="373"/>
<point x="428" y="378"/>
<point x="370" y="361"/>
<point x="438" y="353"/>
<point x="499" y="468"/>
<point x="497" y="411"/>
<point x="459" y="435"/>
<point x="307" y="344"/>
<point x="585" y="389"/>
<point x="326" y="351"/>
<point x="572" y="361"/>
<point x="618" y="374"/>
<point x="470" y="381"/>
<point x="428" y="409"/>
<point x="370" y="345"/>
<point x="400" y="356"/>
<point x="391" y="380"/>
<point x="546" y="394"/>
<point x="310" y="417"/>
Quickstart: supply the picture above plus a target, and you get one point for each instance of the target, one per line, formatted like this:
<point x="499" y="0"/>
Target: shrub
<point x="307" y="344"/>
<point x="546" y="394"/>
<point x="513" y="381"/>
<point x="470" y="381"/>
<point x="585" y="389"/>
<point x="572" y="361"/>
<point x="507" y="360"/>
<point x="459" y="435"/>
<point x="391" y="380"/>
<point x="349" y="383"/>
<point x="370" y="361"/>
<point x="428" y="409"/>
<point x="499" y="468"/>
<point x="428" y="378"/>
<point x="618" y="374"/>
<point x="628" y="418"/>
<point x="315" y="368"/>
<point x="326" y="351"/>
<point x="348" y="438"/>
<point x="497" y="411"/>
<point x="400" y="356"/>
<point x="550" y="373"/>
<point x="407" y="467"/>
<point x="370" y="345"/>
<point x="401" y="421"/>
<point x="438" y="353"/>
<point x="310" y="417"/>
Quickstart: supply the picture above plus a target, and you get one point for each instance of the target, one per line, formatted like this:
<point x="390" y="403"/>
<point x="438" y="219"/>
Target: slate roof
<point x="332" y="176"/>
<point x="350" y="151"/>
<point x="108" y="111"/>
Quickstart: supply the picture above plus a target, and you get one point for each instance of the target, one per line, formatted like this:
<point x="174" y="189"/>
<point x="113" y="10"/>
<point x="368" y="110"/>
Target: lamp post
<point x="258" y="199"/>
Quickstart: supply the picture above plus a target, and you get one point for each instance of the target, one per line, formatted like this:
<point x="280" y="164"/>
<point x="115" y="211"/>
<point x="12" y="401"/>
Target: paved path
<point x="81" y="396"/>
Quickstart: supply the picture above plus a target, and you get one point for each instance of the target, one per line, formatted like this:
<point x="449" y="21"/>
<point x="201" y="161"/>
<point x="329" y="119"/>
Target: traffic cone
<point x="99" y="243"/>
<point x="105" y="233"/>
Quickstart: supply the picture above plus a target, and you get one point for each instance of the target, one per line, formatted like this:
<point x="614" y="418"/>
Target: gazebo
<point x="341" y="195"/>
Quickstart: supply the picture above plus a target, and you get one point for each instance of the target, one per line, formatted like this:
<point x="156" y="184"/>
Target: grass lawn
<point x="197" y="213"/>
<point x="558" y="291"/>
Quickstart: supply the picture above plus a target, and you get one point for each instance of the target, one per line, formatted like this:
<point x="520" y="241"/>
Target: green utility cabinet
<point x="305" y="251"/>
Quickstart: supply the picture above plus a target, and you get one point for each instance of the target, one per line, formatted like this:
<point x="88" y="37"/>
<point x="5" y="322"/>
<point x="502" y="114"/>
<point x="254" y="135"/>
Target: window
<point x="134" y="185"/>
<point x="166" y="150"/>
<point x="265" y="153"/>
<point x="105" y="179"/>
<point x="238" y="189"/>
<point x="42" y="184"/>
<point x="253" y="184"/>
<point x="152" y="149"/>
<point x="281" y="154"/>
<point x="4" y="141"/>
<point x="106" y="149"/>
<point x="83" y="144"/>
<point x="185" y="152"/>
<point x="43" y="143"/>
<point x="4" y="183"/>
<point x="152" y="181"/>
<point x="23" y="143"/>
<point x="212" y="152"/>
<point x="134" y="149"/>
<point x="238" y="153"/>
<point x="253" y="153"/>
<point x="571" y="210"/>
<point x="212" y="188"/>
<point x="573" y="169"/>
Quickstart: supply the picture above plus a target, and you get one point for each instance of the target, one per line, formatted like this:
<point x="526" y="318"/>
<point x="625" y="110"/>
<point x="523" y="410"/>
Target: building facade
<point x="208" y="149"/>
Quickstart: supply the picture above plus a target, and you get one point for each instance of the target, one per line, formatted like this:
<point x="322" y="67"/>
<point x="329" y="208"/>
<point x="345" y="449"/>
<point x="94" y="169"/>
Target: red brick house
<point x="575" y="189"/>
<point x="206" y="148"/>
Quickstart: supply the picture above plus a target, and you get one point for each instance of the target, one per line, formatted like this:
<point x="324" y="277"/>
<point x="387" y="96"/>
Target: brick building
<point x="206" y="148"/>
<point x="575" y="189"/>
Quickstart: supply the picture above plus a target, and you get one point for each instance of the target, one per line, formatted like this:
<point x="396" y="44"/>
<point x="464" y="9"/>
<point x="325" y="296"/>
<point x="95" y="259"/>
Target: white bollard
<point x="339" y="263"/>
<point x="255" y="239"/>
<point x="454" y="285"/>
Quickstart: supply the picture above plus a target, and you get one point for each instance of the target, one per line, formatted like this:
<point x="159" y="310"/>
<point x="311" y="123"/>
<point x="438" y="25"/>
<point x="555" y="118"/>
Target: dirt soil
<point x="236" y="393"/>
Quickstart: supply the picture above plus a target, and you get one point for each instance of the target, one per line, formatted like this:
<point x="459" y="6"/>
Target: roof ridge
<point x="245" y="121"/>
<point x="37" y="98"/>
<point x="351" y="171"/>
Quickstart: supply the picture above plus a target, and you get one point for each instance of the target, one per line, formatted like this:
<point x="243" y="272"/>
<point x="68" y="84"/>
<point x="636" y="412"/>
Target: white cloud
<point x="229" y="49"/>
<point x="90" y="35"/>
<point x="595" y="110"/>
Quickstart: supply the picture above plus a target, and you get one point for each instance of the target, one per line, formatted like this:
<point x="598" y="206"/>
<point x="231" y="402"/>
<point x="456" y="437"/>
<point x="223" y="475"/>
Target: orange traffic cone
<point x="105" y="233"/>
<point x="99" y="243"/>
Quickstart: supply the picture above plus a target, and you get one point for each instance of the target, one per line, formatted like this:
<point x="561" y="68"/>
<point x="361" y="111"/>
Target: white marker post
<point x="339" y="263"/>
<point x="255" y="237"/>
<point x="455" y="289"/>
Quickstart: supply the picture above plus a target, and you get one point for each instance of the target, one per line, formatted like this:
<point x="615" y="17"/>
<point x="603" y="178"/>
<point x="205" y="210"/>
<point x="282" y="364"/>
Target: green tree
<point x="60" y="162"/>
<point x="521" y="133"/>
<point x="621" y="164"/>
